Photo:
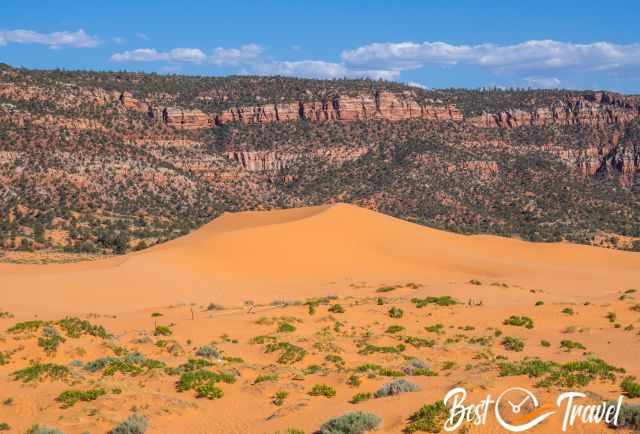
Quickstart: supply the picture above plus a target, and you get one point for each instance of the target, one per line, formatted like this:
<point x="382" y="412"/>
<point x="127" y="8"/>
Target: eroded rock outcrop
<point x="598" y="110"/>
<point x="379" y="105"/>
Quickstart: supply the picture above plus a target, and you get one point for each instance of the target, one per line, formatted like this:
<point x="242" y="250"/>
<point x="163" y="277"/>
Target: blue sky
<point x="574" y="44"/>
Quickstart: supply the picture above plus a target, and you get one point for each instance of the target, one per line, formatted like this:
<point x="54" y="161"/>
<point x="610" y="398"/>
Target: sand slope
<point x="297" y="253"/>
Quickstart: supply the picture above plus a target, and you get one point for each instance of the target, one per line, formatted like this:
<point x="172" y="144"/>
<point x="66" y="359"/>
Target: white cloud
<point x="77" y="39"/>
<point x="416" y="84"/>
<point x="119" y="40"/>
<point x="320" y="69"/>
<point x="236" y="56"/>
<point x="142" y="36"/>
<point x="543" y="82"/>
<point x="192" y="55"/>
<point x="529" y="55"/>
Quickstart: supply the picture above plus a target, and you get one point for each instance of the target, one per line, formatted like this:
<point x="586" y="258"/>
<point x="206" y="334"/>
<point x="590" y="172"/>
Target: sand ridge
<point x="304" y="252"/>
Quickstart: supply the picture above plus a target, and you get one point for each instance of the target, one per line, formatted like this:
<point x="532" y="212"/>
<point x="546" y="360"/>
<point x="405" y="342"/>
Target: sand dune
<point x="294" y="254"/>
<point x="298" y="253"/>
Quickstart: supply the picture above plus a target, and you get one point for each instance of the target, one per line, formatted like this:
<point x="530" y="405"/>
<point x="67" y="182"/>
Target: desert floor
<point x="259" y="291"/>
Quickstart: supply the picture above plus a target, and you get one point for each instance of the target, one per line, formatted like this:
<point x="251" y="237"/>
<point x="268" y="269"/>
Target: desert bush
<point x="435" y="328"/>
<point x="279" y="397"/>
<point x="370" y="349"/>
<point x="351" y="423"/>
<point x="69" y="398"/>
<point x="630" y="387"/>
<point x="354" y="381"/>
<point x="571" y="374"/>
<point x="134" y="424"/>
<point x="265" y="377"/>
<point x="629" y="417"/>
<point x="26" y="327"/>
<point x="41" y="429"/>
<point x="336" y="308"/>
<point x="396" y="312"/>
<point x="511" y="343"/>
<point x="75" y="327"/>
<point x="568" y="311"/>
<point x="430" y="418"/>
<point x="359" y="397"/>
<point x="162" y="331"/>
<point x="545" y="343"/>
<point x="418" y="342"/>
<point x="386" y="289"/>
<point x="394" y="329"/>
<point x="286" y="327"/>
<point x="571" y="345"/>
<point x="5" y="426"/>
<point x="322" y="390"/>
<point x="519" y="321"/>
<point x="289" y="353"/>
<point x="40" y="371"/>
<point x="396" y="387"/>
<point x="50" y="340"/>
<point x="208" y="352"/>
<point x="209" y="391"/>
<point x="444" y="300"/>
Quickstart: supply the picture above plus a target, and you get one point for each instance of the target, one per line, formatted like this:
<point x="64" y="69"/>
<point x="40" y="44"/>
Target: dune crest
<point x="304" y="252"/>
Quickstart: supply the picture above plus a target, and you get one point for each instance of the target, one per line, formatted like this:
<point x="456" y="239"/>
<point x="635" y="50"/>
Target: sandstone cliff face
<point x="379" y="105"/>
<point x="598" y="110"/>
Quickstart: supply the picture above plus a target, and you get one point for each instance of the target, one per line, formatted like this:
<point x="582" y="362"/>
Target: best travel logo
<point x="509" y="409"/>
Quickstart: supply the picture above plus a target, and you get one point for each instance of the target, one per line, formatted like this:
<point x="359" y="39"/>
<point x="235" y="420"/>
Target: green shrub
<point x="351" y="423"/>
<point x="444" y="300"/>
<point x="209" y="391"/>
<point x="571" y="345"/>
<point x="386" y="289"/>
<point x="279" y="397"/>
<point x="265" y="377"/>
<point x="5" y="426"/>
<point x="435" y="328"/>
<point x="50" y="341"/>
<point x="571" y="374"/>
<point x="190" y="380"/>
<point x="40" y="371"/>
<point x="359" y="397"/>
<point x="394" y="329"/>
<point x="545" y="343"/>
<point x="568" y="311"/>
<point x="396" y="312"/>
<point x="134" y="424"/>
<point x="323" y="390"/>
<point x="75" y="327"/>
<point x="611" y="316"/>
<point x="370" y="349"/>
<point x="336" y="308"/>
<point x="630" y="387"/>
<point x="539" y="303"/>
<point x="289" y="353"/>
<point x="519" y="321"/>
<point x="208" y="352"/>
<point x="162" y="331"/>
<point x="286" y="327"/>
<point x="26" y="327"/>
<point x="430" y="418"/>
<point x="511" y="343"/>
<point x="69" y="398"/>
<point x="354" y="381"/>
<point x="418" y="342"/>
